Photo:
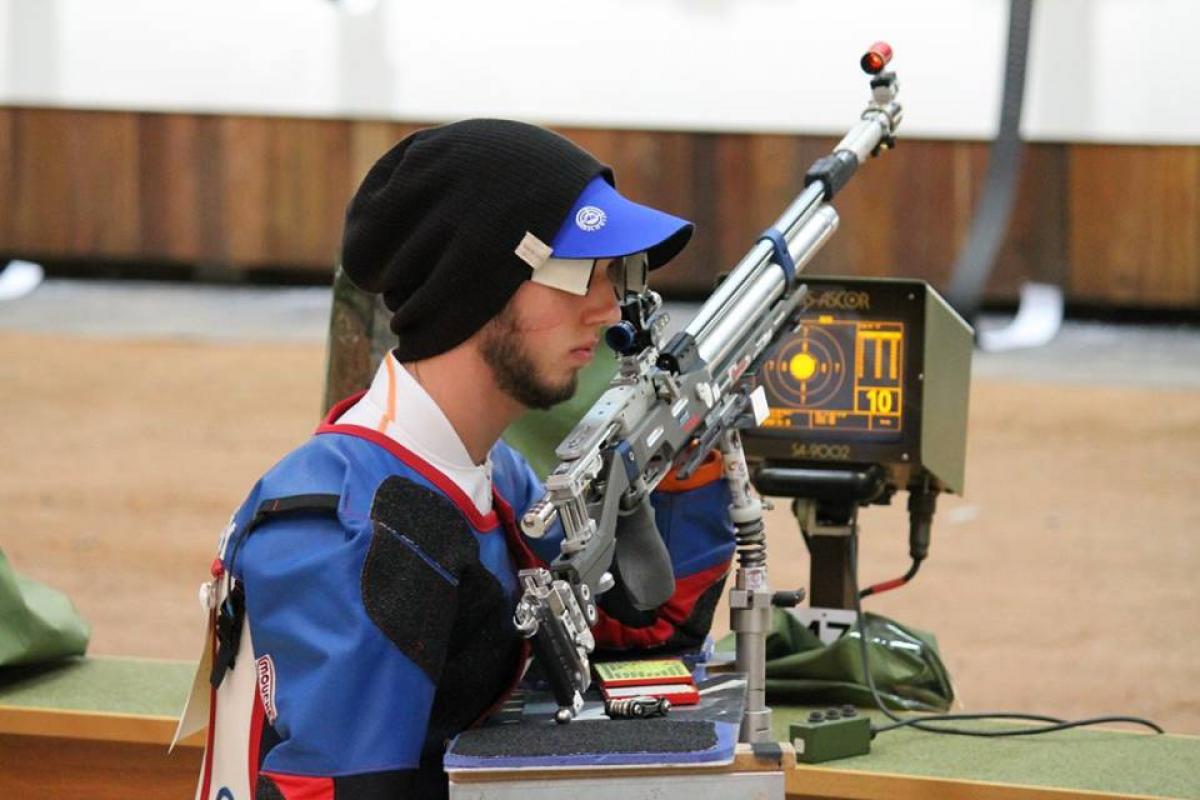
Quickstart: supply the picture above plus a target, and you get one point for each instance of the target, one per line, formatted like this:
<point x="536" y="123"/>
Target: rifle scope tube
<point x="864" y="137"/>
<point x="720" y="345"/>
<point x="755" y="261"/>
<point x="876" y="125"/>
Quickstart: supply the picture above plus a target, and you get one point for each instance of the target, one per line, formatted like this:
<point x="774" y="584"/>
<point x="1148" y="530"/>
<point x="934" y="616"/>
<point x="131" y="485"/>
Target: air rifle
<point x="667" y="407"/>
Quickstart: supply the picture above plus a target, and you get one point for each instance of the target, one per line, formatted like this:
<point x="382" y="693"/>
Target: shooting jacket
<point x="378" y="603"/>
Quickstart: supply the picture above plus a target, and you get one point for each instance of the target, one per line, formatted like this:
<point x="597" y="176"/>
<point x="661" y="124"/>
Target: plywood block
<point x="69" y="769"/>
<point x="43" y="204"/>
<point x="1035" y="244"/>
<point x="7" y="177"/>
<point x="104" y="179"/>
<point x="1135" y="224"/>
<point x="735" y="224"/>
<point x="370" y="139"/>
<point x="212" y="232"/>
<point x="169" y="187"/>
<point x="73" y="189"/>
<point x="603" y="144"/>
<point x="309" y="186"/>
<point x="1115" y="224"/>
<point x="244" y="195"/>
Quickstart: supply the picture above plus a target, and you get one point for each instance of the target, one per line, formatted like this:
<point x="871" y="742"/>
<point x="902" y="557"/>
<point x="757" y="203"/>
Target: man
<point x="369" y="580"/>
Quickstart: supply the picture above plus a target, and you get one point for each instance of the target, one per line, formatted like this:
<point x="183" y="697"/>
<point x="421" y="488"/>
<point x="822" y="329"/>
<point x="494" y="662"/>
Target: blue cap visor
<point x="603" y="224"/>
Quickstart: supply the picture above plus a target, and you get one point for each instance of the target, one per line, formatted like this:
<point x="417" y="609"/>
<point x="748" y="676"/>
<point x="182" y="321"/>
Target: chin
<point x="562" y="391"/>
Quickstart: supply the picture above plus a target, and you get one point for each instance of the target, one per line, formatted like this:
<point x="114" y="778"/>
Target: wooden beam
<point x="105" y="726"/>
<point x="73" y="769"/>
<point x="1115" y="224"/>
<point x="807" y="782"/>
<point x="1135" y="224"/>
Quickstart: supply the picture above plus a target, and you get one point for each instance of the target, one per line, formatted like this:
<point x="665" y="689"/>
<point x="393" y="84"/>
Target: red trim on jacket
<point x="341" y="407"/>
<point x="302" y="787"/>
<point x="517" y="546"/>
<point x="612" y="634"/>
<point x="483" y="523"/>
<point x="258" y="718"/>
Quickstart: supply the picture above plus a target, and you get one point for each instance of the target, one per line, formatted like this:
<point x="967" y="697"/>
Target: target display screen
<point x="867" y="371"/>
<point x="844" y="375"/>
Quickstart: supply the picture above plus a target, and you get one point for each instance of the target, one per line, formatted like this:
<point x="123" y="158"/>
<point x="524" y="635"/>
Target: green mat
<point x="1089" y="760"/>
<point x="118" y="685"/>
<point x="37" y="623"/>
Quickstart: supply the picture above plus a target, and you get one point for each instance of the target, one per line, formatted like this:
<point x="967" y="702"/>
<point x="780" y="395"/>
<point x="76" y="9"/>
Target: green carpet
<point x="1097" y="760"/>
<point x="121" y="685"/>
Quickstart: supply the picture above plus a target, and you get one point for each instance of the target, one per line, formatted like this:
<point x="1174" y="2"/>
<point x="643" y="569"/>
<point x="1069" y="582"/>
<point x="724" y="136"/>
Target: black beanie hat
<point x="437" y="221"/>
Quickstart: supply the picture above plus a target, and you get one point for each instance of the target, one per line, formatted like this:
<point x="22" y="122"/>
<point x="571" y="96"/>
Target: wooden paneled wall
<point x="1115" y="225"/>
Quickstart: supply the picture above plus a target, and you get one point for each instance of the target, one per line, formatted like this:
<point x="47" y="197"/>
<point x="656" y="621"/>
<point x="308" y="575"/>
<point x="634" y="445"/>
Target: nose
<point x="600" y="305"/>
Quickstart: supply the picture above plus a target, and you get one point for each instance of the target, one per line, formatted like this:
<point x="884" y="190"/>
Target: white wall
<point x="1100" y="70"/>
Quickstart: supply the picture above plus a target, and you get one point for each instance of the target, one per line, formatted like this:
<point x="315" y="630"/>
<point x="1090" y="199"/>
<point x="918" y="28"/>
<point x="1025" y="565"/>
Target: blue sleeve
<point x="696" y="526"/>
<point x="520" y="487"/>
<point x="348" y="701"/>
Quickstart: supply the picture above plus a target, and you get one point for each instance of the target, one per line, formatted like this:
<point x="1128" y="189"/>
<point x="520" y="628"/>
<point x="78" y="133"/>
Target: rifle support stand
<point x="826" y="503"/>
<point x="750" y="619"/>
<point x="829" y="572"/>
<point x="750" y="598"/>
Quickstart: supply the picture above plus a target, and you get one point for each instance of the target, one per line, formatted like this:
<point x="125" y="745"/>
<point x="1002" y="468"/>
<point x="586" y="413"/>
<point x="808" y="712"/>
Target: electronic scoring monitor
<point x="872" y="372"/>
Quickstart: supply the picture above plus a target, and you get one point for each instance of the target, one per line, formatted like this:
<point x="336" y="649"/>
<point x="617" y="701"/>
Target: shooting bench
<point x="97" y="728"/>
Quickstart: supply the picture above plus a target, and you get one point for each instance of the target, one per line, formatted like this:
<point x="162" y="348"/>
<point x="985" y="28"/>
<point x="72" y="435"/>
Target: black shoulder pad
<point x="420" y="548"/>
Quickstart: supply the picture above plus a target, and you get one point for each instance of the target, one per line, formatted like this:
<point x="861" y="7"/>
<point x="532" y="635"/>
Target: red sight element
<point x="876" y="58"/>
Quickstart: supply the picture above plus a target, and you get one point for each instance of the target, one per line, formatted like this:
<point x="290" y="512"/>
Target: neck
<point x="461" y="384"/>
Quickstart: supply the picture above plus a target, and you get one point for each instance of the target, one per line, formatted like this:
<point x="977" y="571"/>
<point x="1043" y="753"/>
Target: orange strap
<point x="710" y="469"/>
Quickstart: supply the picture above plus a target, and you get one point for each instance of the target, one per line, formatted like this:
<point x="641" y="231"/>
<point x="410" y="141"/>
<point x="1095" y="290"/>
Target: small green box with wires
<point x="831" y="734"/>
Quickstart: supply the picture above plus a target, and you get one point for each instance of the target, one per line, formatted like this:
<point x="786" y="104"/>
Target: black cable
<point x="921" y="723"/>
<point x="922" y="503"/>
<point x="1059" y="725"/>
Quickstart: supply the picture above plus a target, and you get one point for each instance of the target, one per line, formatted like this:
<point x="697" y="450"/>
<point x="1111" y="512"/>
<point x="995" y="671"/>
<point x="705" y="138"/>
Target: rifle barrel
<point x="720" y="347"/>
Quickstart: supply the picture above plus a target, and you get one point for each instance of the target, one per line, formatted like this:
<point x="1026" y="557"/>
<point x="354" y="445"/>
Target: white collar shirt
<point x="398" y="406"/>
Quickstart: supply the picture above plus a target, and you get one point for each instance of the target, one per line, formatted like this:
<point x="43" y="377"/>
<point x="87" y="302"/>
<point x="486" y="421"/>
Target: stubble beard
<point x="514" y="368"/>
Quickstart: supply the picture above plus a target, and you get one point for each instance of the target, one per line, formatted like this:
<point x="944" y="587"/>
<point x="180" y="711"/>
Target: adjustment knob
<point x="620" y="337"/>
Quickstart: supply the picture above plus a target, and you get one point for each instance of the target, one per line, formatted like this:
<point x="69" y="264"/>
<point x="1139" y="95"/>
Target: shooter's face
<point x="541" y="340"/>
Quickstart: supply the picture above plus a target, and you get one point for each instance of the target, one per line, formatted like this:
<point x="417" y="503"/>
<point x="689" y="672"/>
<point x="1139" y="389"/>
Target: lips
<point x="584" y="352"/>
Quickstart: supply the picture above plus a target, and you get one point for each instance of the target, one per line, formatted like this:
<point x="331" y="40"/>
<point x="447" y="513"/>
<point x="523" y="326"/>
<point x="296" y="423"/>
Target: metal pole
<point x="750" y="599"/>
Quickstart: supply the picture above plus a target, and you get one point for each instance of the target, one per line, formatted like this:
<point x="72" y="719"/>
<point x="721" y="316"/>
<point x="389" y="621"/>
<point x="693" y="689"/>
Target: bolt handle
<point x="788" y="599"/>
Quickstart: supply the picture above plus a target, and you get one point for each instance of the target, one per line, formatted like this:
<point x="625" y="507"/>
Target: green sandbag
<point x="37" y="623"/>
<point x="908" y="671"/>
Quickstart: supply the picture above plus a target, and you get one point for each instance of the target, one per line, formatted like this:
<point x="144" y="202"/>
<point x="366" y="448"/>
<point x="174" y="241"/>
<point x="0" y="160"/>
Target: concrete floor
<point x="1162" y="356"/>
